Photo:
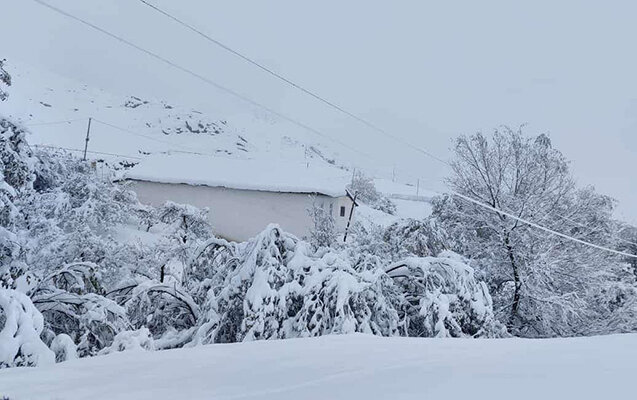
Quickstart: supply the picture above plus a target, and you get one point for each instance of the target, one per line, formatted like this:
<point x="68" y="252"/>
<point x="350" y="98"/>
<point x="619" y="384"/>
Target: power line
<point x="200" y="77"/>
<point x="551" y="231"/>
<point x="88" y="151"/>
<point x="295" y="85"/>
<point x="54" y="122"/>
<point x="593" y="231"/>
<point x="146" y="136"/>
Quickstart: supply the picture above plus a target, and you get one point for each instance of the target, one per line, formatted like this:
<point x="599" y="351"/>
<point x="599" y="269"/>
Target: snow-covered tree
<point x="5" y="79"/>
<point x="540" y="283"/>
<point x="628" y="244"/>
<point x="71" y="215"/>
<point x="363" y="186"/>
<point x="411" y="237"/>
<point x="16" y="178"/>
<point x="323" y="230"/>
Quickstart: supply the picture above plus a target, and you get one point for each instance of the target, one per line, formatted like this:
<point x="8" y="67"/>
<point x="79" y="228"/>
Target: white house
<point x="244" y="196"/>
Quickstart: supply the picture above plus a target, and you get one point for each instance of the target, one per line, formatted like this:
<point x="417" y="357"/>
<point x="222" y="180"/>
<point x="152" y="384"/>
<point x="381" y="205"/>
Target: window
<point x="342" y="211"/>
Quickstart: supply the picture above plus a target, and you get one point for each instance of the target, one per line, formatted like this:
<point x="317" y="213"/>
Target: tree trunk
<point x="516" y="280"/>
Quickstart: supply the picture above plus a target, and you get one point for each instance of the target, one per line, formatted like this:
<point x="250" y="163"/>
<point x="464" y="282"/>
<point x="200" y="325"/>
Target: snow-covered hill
<point x="345" y="367"/>
<point x="127" y="128"/>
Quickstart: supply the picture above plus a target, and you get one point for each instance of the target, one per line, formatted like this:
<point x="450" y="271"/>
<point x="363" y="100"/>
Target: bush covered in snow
<point x="21" y="325"/>
<point x="280" y="288"/>
<point x="140" y="339"/>
<point x="443" y="298"/>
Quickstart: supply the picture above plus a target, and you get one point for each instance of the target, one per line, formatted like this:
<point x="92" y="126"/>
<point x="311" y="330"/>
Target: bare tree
<point x="540" y="283"/>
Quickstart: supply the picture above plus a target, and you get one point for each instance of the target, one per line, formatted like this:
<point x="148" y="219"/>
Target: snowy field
<point x="346" y="367"/>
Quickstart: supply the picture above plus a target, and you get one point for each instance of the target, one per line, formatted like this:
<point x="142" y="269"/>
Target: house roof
<point x="247" y="174"/>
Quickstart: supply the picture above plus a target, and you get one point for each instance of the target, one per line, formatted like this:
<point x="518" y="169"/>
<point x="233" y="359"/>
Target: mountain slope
<point x="57" y="109"/>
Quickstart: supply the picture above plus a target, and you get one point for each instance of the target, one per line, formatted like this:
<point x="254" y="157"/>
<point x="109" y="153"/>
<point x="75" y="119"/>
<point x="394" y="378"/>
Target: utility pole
<point x="417" y="187"/>
<point x="88" y="132"/>
<point x="351" y="213"/>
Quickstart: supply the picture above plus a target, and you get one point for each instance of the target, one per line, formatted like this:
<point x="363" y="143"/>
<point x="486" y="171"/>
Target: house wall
<point x="240" y="214"/>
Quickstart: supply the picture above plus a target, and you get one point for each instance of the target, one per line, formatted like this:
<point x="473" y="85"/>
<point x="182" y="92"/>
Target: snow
<point x="367" y="216"/>
<point x="248" y="174"/>
<point x="20" y="327"/>
<point x="397" y="190"/>
<point x="139" y="340"/>
<point x="404" y="209"/>
<point x="410" y="201"/>
<point x="345" y="367"/>
<point x="415" y="209"/>
<point x="124" y="127"/>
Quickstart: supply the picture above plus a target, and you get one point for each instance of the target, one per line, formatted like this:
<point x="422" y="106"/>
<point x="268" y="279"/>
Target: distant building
<point x="244" y="196"/>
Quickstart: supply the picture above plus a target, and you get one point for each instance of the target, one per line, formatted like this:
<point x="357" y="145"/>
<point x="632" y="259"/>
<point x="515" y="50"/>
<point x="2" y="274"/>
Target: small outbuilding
<point x="244" y="195"/>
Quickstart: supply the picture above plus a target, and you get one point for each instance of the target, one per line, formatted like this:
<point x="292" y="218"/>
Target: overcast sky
<point x="426" y="71"/>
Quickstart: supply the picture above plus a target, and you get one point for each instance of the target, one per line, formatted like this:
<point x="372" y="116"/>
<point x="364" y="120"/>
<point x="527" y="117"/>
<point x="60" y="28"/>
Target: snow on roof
<point x="247" y="174"/>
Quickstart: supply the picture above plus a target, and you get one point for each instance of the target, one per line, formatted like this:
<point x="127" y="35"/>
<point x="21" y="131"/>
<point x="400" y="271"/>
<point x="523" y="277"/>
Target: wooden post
<point x="88" y="132"/>
<point x="351" y="213"/>
<point x="417" y="187"/>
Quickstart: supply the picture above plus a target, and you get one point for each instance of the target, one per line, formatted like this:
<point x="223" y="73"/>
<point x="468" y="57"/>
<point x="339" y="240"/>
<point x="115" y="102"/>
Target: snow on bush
<point x="159" y="307"/>
<point x="71" y="302"/>
<point x="64" y="348"/>
<point x="280" y="288"/>
<point x="20" y="327"/>
<point x="140" y="339"/>
<point x="443" y="299"/>
<point x="333" y="297"/>
<point x="411" y="237"/>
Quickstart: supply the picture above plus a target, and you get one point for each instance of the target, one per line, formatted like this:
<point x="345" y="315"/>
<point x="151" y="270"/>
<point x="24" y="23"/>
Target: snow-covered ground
<point x="346" y="367"/>
<point x="412" y="200"/>
<point x="412" y="209"/>
<point x="413" y="190"/>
